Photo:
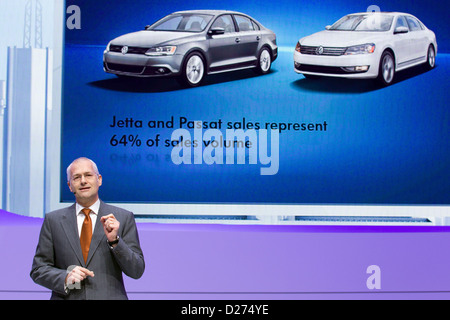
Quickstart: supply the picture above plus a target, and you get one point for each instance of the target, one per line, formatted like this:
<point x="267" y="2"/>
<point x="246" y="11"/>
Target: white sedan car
<point x="366" y="45"/>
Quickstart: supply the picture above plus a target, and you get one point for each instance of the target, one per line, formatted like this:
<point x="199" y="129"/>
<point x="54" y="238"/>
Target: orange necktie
<point x="86" y="234"/>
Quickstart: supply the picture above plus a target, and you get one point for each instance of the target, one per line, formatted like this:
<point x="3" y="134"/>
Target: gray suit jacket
<point x="59" y="248"/>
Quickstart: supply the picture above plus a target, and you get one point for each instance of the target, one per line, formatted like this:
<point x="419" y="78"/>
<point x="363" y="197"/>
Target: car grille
<point x="323" y="69"/>
<point x="327" y="51"/>
<point x="320" y="69"/>
<point x="137" y="70"/>
<point x="125" y="68"/>
<point x="134" y="50"/>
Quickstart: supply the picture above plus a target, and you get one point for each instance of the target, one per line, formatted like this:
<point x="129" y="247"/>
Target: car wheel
<point x="431" y="58"/>
<point x="193" y="70"/>
<point x="386" y="71"/>
<point x="264" y="61"/>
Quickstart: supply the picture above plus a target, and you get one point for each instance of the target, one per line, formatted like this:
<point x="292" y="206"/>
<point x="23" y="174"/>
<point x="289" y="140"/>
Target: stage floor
<point x="241" y="262"/>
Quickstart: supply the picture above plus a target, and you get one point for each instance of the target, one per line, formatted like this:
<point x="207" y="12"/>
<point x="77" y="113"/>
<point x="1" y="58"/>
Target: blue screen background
<point x="382" y="146"/>
<point x="103" y="20"/>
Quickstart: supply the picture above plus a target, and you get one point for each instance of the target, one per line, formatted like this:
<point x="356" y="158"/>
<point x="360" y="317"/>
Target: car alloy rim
<point x="388" y="68"/>
<point x="264" y="60"/>
<point x="431" y="57"/>
<point x="194" y="69"/>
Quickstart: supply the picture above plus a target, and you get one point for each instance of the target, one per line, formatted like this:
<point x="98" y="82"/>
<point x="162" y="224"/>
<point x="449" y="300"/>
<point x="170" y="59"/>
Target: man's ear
<point x="100" y="179"/>
<point x="70" y="188"/>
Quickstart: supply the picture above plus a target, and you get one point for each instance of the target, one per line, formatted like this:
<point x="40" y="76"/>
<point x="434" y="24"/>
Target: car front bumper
<point x="363" y="66"/>
<point x="139" y="65"/>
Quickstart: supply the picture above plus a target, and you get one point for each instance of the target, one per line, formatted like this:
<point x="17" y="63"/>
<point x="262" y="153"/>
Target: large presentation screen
<point x="259" y="102"/>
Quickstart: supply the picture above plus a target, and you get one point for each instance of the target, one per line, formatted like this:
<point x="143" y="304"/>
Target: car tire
<point x="431" y="58"/>
<point x="386" y="71"/>
<point x="194" y="70"/>
<point x="264" y="61"/>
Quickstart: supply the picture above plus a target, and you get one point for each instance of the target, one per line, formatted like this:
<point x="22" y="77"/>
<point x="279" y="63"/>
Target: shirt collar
<point x="94" y="208"/>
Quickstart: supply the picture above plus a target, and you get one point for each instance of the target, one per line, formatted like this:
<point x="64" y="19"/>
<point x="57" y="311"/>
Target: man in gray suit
<point x="83" y="249"/>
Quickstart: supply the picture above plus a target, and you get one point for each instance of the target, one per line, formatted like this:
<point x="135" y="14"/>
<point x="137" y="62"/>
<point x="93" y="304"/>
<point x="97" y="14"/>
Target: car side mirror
<point x="401" y="30"/>
<point x="214" y="31"/>
<point x="328" y="27"/>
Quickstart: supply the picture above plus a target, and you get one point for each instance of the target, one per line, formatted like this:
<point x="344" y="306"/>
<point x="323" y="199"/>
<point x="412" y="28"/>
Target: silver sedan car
<point x="367" y="45"/>
<point x="192" y="44"/>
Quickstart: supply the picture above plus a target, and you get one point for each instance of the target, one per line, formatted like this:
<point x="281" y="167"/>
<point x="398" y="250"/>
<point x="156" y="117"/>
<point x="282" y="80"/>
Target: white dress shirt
<point x="81" y="216"/>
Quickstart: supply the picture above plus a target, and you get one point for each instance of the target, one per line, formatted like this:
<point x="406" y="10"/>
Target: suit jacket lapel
<point x="99" y="235"/>
<point x="70" y="226"/>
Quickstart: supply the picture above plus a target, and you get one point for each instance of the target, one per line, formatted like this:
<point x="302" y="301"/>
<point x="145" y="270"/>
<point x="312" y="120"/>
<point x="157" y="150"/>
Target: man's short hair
<point x="76" y="160"/>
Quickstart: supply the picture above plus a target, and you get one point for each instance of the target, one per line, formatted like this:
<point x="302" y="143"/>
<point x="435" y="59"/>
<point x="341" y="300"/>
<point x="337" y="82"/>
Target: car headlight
<point x="107" y="47"/>
<point x="161" y="51"/>
<point x="361" y="49"/>
<point x="297" y="47"/>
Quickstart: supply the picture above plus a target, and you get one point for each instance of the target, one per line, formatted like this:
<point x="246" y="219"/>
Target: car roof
<point x="383" y="12"/>
<point x="213" y="12"/>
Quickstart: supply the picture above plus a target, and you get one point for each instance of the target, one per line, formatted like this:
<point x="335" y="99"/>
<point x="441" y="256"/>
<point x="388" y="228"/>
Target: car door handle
<point x="237" y="40"/>
<point x="258" y="38"/>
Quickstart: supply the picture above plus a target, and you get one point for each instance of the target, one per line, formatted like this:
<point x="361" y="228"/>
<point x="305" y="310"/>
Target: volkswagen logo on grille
<point x="124" y="50"/>
<point x="319" y="50"/>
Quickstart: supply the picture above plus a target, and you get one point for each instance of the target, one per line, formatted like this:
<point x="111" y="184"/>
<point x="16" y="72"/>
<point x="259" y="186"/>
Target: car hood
<point x="328" y="38"/>
<point x="151" y="38"/>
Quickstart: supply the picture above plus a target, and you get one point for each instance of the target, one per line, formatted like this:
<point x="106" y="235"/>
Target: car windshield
<point x="364" y="22"/>
<point x="182" y="23"/>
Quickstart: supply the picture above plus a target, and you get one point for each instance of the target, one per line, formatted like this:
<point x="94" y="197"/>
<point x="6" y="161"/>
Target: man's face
<point x="84" y="182"/>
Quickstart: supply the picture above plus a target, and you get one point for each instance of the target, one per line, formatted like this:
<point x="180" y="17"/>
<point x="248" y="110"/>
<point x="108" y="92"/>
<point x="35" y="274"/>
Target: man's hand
<point x="110" y="226"/>
<point x="76" y="275"/>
